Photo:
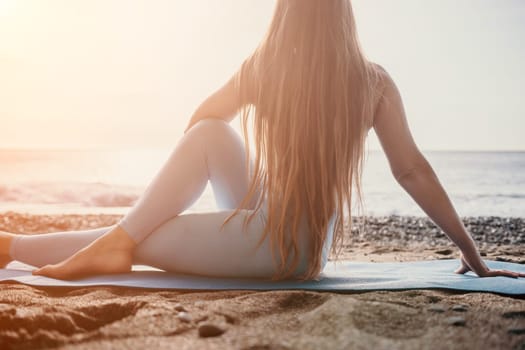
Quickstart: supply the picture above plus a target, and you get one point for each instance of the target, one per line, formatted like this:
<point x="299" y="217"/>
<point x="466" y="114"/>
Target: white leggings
<point x="189" y="243"/>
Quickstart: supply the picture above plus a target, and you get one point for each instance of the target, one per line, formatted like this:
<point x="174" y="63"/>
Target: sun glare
<point x="6" y="7"/>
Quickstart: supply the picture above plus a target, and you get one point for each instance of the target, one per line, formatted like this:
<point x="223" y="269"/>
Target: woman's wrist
<point x="473" y="259"/>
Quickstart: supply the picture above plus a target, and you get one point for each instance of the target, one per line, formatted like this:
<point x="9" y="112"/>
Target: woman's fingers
<point x="462" y="269"/>
<point x="506" y="273"/>
<point x="491" y="273"/>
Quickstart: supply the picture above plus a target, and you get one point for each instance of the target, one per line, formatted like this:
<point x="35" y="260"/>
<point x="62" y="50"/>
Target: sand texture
<point x="108" y="318"/>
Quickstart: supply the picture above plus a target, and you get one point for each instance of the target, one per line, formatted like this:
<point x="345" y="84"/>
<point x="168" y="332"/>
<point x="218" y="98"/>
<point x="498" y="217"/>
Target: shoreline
<point x="111" y="317"/>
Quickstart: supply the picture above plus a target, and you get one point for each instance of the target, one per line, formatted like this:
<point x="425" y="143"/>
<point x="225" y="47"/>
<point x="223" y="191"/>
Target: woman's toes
<point x="41" y="271"/>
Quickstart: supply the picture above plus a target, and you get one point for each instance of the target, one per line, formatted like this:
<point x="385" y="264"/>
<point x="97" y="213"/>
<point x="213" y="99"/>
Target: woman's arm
<point x="223" y="104"/>
<point x="413" y="172"/>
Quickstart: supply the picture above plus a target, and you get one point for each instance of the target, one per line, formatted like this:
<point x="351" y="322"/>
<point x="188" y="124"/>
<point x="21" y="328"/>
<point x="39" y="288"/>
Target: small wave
<point x="82" y="194"/>
<point x="491" y="195"/>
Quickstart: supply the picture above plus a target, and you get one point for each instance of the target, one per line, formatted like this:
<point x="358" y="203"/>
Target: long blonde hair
<point x="311" y="93"/>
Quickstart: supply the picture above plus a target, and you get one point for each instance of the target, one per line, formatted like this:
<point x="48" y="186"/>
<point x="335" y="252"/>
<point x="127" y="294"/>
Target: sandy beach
<point x="93" y="318"/>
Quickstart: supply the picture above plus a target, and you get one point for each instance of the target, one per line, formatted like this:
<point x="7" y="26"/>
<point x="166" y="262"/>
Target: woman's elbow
<point x="413" y="172"/>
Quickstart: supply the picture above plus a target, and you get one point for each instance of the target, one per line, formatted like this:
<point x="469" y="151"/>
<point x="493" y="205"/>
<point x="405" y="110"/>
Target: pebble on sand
<point x="516" y="330"/>
<point x="184" y="316"/>
<point x="437" y="308"/>
<point x="179" y="307"/>
<point x="456" y="321"/>
<point x="444" y="251"/>
<point x="210" y="330"/>
<point x="460" y="308"/>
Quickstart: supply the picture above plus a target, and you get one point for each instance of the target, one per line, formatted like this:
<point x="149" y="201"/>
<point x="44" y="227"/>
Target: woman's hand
<point x="223" y="104"/>
<point x="464" y="268"/>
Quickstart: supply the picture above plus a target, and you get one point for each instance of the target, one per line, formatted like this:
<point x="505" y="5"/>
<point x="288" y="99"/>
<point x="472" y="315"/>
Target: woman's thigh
<point x="196" y="244"/>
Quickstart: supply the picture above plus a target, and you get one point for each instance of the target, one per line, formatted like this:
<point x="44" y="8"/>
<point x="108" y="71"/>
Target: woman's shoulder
<point x="378" y="68"/>
<point x="387" y="93"/>
<point x="385" y="85"/>
<point x="383" y="78"/>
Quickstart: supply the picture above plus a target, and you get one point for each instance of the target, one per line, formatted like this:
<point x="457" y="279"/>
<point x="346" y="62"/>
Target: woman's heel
<point x="6" y="239"/>
<point x="4" y="260"/>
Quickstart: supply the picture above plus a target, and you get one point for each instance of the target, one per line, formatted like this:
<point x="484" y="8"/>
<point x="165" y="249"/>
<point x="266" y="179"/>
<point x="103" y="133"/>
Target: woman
<point x="313" y="97"/>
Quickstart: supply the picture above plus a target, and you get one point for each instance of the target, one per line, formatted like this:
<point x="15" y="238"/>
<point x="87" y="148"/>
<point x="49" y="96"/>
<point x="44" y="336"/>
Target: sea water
<point x="35" y="181"/>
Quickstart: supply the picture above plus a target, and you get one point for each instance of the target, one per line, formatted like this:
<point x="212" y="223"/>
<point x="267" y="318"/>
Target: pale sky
<point x="128" y="74"/>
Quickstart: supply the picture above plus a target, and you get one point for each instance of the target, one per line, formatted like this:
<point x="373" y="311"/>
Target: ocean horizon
<point x="480" y="183"/>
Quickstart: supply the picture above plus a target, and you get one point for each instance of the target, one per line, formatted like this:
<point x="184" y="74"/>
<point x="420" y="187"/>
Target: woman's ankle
<point x="120" y="239"/>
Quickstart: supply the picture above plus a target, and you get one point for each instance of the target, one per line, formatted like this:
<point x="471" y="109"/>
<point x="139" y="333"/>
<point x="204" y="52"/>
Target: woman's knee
<point x="210" y="127"/>
<point x="215" y="134"/>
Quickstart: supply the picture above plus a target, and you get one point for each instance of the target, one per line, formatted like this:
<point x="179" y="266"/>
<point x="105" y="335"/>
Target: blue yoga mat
<point x="344" y="276"/>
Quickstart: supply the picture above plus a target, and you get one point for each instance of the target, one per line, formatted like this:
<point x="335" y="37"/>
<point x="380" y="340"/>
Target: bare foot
<point x="109" y="254"/>
<point x="5" y="245"/>
<point x="4" y="260"/>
